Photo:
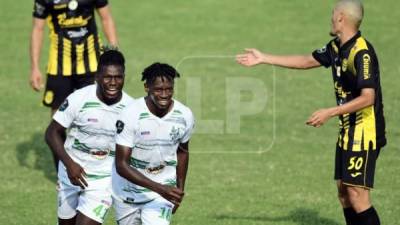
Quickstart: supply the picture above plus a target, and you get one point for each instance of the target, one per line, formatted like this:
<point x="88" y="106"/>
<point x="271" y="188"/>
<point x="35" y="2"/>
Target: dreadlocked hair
<point x="111" y="56"/>
<point x="157" y="69"/>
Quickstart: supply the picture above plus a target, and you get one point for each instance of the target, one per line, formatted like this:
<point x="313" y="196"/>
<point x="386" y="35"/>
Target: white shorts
<point x="93" y="202"/>
<point x="155" y="212"/>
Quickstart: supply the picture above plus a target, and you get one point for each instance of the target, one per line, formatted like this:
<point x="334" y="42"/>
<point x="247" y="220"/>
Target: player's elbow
<point x="121" y="167"/>
<point x="48" y="135"/>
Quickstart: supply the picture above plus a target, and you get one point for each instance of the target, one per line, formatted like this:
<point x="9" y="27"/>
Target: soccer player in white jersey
<point x="89" y="116"/>
<point x="152" y="154"/>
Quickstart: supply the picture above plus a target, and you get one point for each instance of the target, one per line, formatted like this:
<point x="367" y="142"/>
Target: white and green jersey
<point x="154" y="142"/>
<point x="91" y="129"/>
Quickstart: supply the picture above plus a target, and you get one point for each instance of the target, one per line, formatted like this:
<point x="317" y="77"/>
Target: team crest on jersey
<point x="73" y="4"/>
<point x="322" y="50"/>
<point x="63" y="106"/>
<point x="174" y="134"/>
<point x="120" y="126"/>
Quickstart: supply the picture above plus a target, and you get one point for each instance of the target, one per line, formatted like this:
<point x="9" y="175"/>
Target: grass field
<point x="274" y="169"/>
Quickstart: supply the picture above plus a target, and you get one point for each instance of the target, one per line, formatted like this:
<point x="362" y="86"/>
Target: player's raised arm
<point x="122" y="161"/>
<point x="54" y="138"/>
<point x="254" y="57"/>
<point x="108" y="24"/>
<point x="35" y="48"/>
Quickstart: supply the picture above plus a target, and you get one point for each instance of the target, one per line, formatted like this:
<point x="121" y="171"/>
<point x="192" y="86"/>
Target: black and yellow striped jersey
<point x="74" y="42"/>
<point x="354" y="67"/>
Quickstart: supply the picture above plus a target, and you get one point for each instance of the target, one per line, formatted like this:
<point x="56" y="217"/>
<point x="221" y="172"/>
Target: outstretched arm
<point x="35" y="80"/>
<point x="366" y="98"/>
<point x="122" y="161"/>
<point x="254" y="57"/>
<point x="54" y="139"/>
<point x="107" y="22"/>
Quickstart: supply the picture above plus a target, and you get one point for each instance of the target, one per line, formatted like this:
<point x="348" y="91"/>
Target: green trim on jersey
<point x="96" y="177"/>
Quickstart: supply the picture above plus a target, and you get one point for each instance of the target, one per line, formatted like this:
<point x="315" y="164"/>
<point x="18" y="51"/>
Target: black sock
<point x="350" y="216"/>
<point x="368" y="217"/>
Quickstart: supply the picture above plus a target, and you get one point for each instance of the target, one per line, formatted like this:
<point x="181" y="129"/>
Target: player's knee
<point x="358" y="196"/>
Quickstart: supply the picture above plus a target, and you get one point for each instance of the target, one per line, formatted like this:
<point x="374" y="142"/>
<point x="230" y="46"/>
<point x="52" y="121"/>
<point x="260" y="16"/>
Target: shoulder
<point x="183" y="110"/>
<point x="126" y="99"/>
<point x="363" y="50"/>
<point x="80" y="95"/>
<point x="133" y="109"/>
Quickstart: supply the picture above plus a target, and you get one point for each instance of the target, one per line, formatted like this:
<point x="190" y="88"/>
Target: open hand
<point x="319" y="117"/>
<point x="250" y="58"/>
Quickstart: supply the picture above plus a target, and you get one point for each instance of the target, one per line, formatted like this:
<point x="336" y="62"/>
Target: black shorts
<point x="58" y="87"/>
<point x="356" y="168"/>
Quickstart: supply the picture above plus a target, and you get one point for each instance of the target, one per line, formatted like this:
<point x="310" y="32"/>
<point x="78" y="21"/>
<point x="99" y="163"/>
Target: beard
<point x="332" y="34"/>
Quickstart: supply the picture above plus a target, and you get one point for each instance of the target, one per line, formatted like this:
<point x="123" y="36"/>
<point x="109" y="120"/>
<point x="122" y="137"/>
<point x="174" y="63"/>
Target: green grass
<point x="288" y="184"/>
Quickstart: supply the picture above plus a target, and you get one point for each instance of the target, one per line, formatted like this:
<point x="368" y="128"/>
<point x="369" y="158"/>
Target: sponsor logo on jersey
<point x="64" y="105"/>
<point x="145" y="133"/>
<point x="366" y="62"/>
<point x="77" y="34"/>
<point x="49" y="97"/>
<point x="94" y="120"/>
<point x="79" y="21"/>
<point x="155" y="170"/>
<point x="355" y="174"/>
<point x="39" y="9"/>
<point x="120" y="126"/>
<point x="60" y="6"/>
<point x="99" y="154"/>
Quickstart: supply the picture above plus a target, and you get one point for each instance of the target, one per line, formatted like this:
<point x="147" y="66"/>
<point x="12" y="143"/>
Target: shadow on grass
<point x="42" y="157"/>
<point x="299" y="216"/>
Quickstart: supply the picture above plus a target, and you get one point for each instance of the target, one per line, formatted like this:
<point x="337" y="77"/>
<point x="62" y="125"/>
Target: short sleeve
<point x="323" y="56"/>
<point x="189" y="127"/>
<point x="67" y="112"/>
<point x="40" y="9"/>
<point x="126" y="128"/>
<point x="101" y="3"/>
<point x="365" y="72"/>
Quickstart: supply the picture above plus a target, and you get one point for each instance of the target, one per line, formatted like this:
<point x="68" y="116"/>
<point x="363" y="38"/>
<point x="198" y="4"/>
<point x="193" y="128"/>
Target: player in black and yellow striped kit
<point x="74" y="45"/>
<point x="355" y="72"/>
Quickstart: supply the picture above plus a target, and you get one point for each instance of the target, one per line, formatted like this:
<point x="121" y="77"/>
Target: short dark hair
<point x="111" y="56"/>
<point x="157" y="69"/>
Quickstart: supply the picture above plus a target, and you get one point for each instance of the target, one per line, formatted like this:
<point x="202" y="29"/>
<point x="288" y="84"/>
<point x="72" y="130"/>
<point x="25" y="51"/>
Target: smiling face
<point x="159" y="95"/>
<point x="110" y="80"/>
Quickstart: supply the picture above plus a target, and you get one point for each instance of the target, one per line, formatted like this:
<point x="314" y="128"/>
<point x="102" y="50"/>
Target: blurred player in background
<point x="355" y="72"/>
<point x="89" y="114"/>
<point x="74" y="46"/>
<point x="153" y="143"/>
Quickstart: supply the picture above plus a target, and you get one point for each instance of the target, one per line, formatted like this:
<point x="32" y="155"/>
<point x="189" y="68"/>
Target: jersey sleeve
<point x="189" y="127"/>
<point x="323" y="55"/>
<point x="40" y="9"/>
<point x="101" y="3"/>
<point x="126" y="128"/>
<point x="68" y="110"/>
<point x="364" y="64"/>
